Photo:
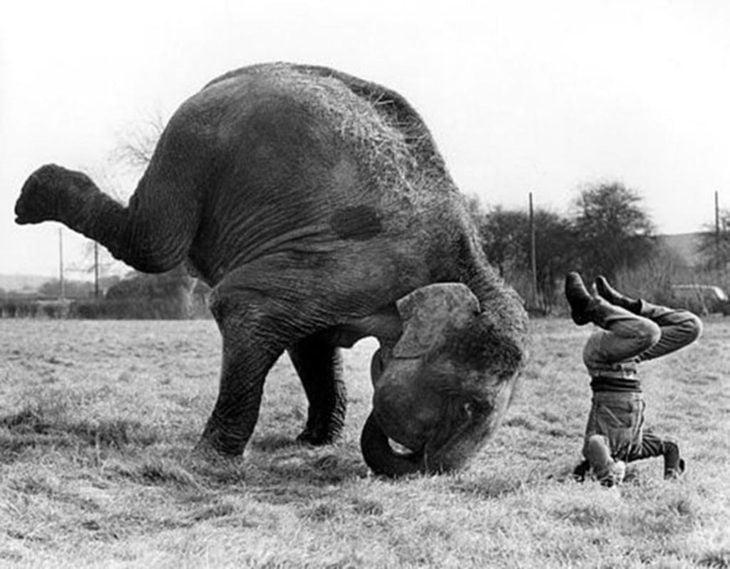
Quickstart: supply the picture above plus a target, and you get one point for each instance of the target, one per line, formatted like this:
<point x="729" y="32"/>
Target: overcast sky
<point x="541" y="96"/>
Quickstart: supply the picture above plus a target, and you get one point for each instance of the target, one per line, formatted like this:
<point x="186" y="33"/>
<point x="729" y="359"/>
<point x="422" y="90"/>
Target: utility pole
<point x="96" y="270"/>
<point x="717" y="230"/>
<point x="62" y="283"/>
<point x="533" y="256"/>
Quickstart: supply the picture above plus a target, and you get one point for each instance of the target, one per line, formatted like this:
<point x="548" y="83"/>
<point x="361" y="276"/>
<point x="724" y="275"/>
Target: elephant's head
<point x="443" y="388"/>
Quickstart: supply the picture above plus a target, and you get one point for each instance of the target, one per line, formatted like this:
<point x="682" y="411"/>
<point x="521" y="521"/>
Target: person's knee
<point x="598" y="454"/>
<point x="648" y="334"/>
<point x="596" y="449"/>
<point x="692" y="327"/>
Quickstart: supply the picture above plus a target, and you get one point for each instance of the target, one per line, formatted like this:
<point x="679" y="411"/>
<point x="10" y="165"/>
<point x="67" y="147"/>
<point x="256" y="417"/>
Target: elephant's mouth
<point x="446" y="449"/>
<point x="389" y="457"/>
<point x="403" y="451"/>
<point x="385" y="455"/>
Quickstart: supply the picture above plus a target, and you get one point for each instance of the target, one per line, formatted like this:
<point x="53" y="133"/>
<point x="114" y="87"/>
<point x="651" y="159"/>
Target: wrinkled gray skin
<point x="319" y="209"/>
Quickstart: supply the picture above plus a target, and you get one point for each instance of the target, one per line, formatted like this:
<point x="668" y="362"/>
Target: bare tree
<point x="136" y="144"/>
<point x="125" y="163"/>
<point x="714" y="247"/>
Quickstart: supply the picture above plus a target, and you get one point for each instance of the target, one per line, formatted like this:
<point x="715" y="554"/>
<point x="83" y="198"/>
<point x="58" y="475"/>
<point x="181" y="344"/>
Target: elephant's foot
<point x="206" y="459"/>
<point x="215" y="446"/>
<point x="205" y="450"/>
<point x="320" y="435"/>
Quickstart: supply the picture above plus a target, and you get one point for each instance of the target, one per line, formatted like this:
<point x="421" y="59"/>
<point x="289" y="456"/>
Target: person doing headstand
<point x="630" y="331"/>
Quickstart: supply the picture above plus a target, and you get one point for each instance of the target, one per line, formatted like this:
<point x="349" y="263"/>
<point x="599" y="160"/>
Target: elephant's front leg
<point x="319" y="366"/>
<point x="251" y="346"/>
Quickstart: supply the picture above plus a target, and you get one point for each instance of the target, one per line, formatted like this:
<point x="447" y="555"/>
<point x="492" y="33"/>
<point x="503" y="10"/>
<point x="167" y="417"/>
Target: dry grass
<point x="97" y="419"/>
<point x="387" y="136"/>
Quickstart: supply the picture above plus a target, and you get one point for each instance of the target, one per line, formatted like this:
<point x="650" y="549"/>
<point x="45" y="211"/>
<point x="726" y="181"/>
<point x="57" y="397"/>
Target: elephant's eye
<point x="475" y="408"/>
<point x="468" y="409"/>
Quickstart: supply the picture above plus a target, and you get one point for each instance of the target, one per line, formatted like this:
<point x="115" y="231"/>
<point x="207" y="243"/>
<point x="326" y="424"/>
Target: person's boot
<point x="581" y="302"/>
<point x="673" y="464"/>
<point x="580" y="471"/>
<point x="616" y="298"/>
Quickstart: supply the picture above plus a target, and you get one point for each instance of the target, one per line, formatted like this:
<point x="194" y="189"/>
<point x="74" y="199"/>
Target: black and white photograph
<point x="387" y="284"/>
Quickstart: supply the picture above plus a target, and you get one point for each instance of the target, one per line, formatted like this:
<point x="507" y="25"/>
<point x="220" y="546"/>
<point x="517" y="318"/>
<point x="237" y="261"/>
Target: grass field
<point x="97" y="420"/>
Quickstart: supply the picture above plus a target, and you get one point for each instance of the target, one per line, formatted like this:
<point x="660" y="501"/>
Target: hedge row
<point x="127" y="309"/>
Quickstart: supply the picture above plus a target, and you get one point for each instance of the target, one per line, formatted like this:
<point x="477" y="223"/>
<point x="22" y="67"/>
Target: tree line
<point x="170" y="295"/>
<point x="608" y="232"/>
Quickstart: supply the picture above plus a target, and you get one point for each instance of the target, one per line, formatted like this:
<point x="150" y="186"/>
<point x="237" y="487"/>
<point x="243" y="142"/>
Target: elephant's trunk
<point x="381" y="458"/>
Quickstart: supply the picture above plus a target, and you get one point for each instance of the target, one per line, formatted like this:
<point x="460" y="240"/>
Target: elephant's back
<point x="314" y="156"/>
<point x="376" y="126"/>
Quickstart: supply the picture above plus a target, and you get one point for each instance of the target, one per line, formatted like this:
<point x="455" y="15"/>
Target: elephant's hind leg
<point x="319" y="365"/>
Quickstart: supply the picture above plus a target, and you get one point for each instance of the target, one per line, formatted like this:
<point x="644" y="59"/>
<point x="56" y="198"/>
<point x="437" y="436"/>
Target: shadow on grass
<point x="269" y="443"/>
<point x="592" y="515"/>
<point x="331" y="508"/>
<point x="155" y="471"/>
<point x="715" y="559"/>
<point x="494" y="486"/>
<point x="39" y="425"/>
<point x="321" y="466"/>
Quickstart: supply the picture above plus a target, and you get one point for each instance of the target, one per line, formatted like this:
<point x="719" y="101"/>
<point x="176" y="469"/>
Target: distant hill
<point x="17" y="283"/>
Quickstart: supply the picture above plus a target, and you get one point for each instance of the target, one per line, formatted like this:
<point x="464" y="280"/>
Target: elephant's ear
<point x="428" y="312"/>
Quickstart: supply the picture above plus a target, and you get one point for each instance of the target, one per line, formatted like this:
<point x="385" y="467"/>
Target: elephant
<point x="318" y="208"/>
